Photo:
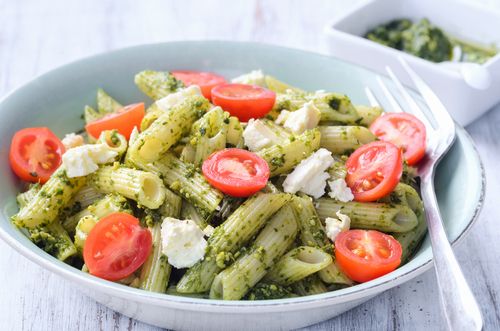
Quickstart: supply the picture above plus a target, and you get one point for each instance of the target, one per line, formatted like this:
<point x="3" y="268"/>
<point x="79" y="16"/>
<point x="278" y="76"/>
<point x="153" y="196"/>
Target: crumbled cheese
<point x="340" y="191"/>
<point x="310" y="176"/>
<point x="174" y="98"/>
<point x="84" y="160"/>
<point x="305" y="118"/>
<point x="282" y="117"/>
<point x="258" y="136"/>
<point x="208" y="230"/>
<point x="182" y="242"/>
<point x="316" y="186"/>
<point x="72" y="140"/>
<point x="334" y="226"/>
<point x="255" y="77"/>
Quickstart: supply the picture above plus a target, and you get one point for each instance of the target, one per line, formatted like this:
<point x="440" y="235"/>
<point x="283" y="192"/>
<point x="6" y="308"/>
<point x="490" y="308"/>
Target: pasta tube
<point x="54" y="195"/>
<point x="165" y="131"/>
<point x="309" y="286"/>
<point x="144" y="187"/>
<point x="368" y="114"/>
<point x="344" y="139"/>
<point x="111" y="203"/>
<point x="157" y="84"/>
<point x="282" y="158"/>
<point x="115" y="142"/>
<point x="155" y="272"/>
<point x="183" y="179"/>
<point x="271" y="243"/>
<point x="297" y="264"/>
<point x="230" y="236"/>
<point x="370" y="215"/>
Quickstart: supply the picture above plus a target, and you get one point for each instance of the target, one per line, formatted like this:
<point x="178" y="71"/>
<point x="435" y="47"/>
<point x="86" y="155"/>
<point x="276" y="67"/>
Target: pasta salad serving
<point x="246" y="189"/>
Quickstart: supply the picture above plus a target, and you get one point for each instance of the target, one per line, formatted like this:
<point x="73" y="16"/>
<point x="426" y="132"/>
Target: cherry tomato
<point x="244" y="101"/>
<point x="403" y="130"/>
<point x="205" y="80"/>
<point x="116" y="247"/>
<point x="236" y="172"/>
<point x="365" y="255"/>
<point x="124" y="121"/>
<point x="374" y="170"/>
<point x="35" y="153"/>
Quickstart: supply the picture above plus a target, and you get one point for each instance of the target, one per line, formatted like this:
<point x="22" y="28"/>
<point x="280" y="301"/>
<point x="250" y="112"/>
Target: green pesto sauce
<point x="334" y="103"/>
<point x="427" y="41"/>
<point x="48" y="242"/>
<point x="264" y="291"/>
<point x="474" y="52"/>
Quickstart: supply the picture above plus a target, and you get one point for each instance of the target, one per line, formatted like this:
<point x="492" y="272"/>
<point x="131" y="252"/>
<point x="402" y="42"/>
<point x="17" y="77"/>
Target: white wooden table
<point x="36" y="36"/>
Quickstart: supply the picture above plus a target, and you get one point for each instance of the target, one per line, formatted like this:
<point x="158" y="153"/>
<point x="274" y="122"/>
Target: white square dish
<point x="464" y="20"/>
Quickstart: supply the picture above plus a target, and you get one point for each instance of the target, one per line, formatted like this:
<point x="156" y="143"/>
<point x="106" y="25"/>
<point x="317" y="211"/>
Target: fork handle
<point x="459" y="305"/>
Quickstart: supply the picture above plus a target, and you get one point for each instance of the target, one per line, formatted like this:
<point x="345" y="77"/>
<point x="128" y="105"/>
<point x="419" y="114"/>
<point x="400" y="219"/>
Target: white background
<point x="36" y="36"/>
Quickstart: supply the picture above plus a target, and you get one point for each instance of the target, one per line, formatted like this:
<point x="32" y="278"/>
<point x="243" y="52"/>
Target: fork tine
<point x="371" y="97"/>
<point x="394" y="103"/>
<point x="415" y="109"/>
<point x="435" y="105"/>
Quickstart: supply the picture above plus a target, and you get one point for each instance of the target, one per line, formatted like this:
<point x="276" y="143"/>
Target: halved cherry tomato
<point x="365" y="255"/>
<point x="403" y="130"/>
<point x="116" y="247"/>
<point x="374" y="170"/>
<point x="124" y="120"/>
<point x="35" y="153"/>
<point x="205" y="80"/>
<point x="236" y="172"/>
<point x="244" y="101"/>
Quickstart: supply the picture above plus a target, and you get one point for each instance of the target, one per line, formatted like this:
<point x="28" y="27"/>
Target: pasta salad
<point x="246" y="189"/>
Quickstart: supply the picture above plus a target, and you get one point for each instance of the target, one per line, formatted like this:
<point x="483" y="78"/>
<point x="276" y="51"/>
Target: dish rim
<point x="88" y="281"/>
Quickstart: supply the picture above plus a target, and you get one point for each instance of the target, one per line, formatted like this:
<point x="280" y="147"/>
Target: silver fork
<point x="460" y="308"/>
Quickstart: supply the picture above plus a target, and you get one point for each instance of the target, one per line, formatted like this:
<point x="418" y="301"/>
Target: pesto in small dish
<point x="429" y="42"/>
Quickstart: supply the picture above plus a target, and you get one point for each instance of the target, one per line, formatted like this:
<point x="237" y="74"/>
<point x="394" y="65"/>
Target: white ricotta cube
<point x="282" y="117"/>
<point x="340" y="191"/>
<point x="255" y="77"/>
<point x="84" y="160"/>
<point x="175" y="98"/>
<point x="305" y="118"/>
<point x="310" y="176"/>
<point x="316" y="186"/>
<point x="258" y="136"/>
<point x="334" y="226"/>
<point x="182" y="242"/>
<point x="72" y="140"/>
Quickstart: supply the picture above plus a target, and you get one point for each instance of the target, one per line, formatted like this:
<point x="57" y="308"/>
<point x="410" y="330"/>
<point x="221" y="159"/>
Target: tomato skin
<point x="364" y="255"/>
<point x="374" y="170"/>
<point x="205" y="80"/>
<point x="403" y="130"/>
<point x="116" y="247"/>
<point x="236" y="172"/>
<point x="124" y="121"/>
<point x="244" y="101"/>
<point x="35" y="153"/>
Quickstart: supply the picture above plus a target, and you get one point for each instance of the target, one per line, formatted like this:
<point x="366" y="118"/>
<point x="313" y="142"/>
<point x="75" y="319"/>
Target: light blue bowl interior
<point x="56" y="100"/>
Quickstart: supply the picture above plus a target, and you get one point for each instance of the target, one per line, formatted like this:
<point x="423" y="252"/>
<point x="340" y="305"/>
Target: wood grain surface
<point x="36" y="36"/>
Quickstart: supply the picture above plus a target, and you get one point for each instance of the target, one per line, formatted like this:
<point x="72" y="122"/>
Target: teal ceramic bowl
<point x="56" y="100"/>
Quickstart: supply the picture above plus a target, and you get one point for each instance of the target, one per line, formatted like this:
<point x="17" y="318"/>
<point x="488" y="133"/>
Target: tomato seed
<point x="367" y="185"/>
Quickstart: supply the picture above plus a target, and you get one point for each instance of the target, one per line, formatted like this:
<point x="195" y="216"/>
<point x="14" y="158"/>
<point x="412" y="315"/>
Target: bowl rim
<point x="87" y="281"/>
